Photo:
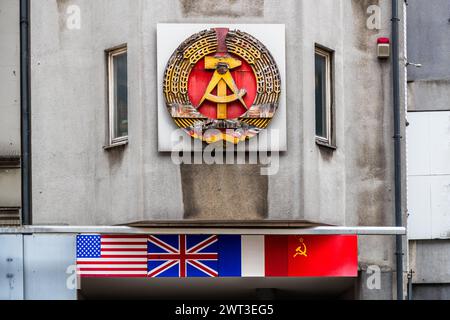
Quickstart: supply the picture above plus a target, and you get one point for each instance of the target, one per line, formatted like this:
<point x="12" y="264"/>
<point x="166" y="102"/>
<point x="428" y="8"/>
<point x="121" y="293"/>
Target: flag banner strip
<point x="217" y="255"/>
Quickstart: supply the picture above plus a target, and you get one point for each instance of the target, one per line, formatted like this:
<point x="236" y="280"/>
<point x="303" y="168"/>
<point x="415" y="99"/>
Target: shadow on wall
<point x="224" y="192"/>
<point x="228" y="8"/>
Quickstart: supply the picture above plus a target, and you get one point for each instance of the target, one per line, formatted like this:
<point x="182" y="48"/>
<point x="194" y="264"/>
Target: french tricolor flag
<point x="288" y="256"/>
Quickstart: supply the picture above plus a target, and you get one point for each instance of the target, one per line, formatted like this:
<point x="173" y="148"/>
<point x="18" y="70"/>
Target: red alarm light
<point x="383" y="48"/>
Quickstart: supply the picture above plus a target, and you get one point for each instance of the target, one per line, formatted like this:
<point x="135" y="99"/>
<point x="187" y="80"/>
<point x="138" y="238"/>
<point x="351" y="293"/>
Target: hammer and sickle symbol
<point x="301" y="250"/>
<point x="222" y="79"/>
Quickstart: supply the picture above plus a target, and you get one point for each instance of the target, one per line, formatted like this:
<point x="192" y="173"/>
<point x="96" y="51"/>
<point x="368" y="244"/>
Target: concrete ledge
<point x="204" y="230"/>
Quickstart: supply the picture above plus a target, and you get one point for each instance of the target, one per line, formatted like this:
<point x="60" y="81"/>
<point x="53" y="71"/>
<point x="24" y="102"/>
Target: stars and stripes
<point x="112" y="255"/>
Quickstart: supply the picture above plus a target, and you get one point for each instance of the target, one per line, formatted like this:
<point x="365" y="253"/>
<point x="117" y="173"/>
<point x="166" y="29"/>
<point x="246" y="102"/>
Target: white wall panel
<point x="428" y="141"/>
<point x="49" y="267"/>
<point x="418" y="136"/>
<point x="440" y="206"/>
<point x="439" y="142"/>
<point x="11" y="267"/>
<point x="419" y="207"/>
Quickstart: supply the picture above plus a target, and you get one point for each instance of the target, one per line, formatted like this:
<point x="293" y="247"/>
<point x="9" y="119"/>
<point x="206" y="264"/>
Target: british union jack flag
<point x="182" y="255"/>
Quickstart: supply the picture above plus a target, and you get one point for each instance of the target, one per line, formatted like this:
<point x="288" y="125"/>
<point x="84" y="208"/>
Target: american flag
<point x="183" y="256"/>
<point x="112" y="255"/>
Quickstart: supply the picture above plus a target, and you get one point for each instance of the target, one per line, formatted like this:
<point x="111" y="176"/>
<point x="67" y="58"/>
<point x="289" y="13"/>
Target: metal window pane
<point x="321" y="95"/>
<point x="120" y="116"/>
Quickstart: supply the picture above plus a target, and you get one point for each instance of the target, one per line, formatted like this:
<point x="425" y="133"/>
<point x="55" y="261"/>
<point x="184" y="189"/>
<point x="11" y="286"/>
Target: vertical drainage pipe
<point x="397" y="146"/>
<point x="25" y="118"/>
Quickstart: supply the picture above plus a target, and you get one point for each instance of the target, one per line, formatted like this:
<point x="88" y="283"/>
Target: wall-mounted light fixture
<point x="383" y="48"/>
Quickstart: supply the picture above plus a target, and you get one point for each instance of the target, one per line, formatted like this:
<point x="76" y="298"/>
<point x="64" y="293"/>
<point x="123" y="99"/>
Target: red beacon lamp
<point x="383" y="48"/>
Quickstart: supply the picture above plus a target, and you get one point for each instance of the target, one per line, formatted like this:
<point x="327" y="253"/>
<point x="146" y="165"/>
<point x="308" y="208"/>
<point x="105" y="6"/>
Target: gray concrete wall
<point x="9" y="106"/>
<point x="9" y="79"/>
<point x="430" y="260"/>
<point x="10" y="187"/>
<point x="429" y="95"/>
<point x="428" y="40"/>
<point x="383" y="292"/>
<point x="431" y="292"/>
<point x="76" y="181"/>
<point x="429" y="45"/>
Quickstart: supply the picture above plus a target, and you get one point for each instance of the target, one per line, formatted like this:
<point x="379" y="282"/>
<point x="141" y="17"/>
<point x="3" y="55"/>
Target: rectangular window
<point x="118" y="96"/>
<point x="323" y="97"/>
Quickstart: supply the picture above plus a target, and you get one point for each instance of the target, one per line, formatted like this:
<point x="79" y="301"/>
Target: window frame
<point x="327" y="140"/>
<point x="110" y="54"/>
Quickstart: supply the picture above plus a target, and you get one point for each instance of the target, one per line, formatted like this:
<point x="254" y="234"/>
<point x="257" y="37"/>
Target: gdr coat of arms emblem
<point x="222" y="84"/>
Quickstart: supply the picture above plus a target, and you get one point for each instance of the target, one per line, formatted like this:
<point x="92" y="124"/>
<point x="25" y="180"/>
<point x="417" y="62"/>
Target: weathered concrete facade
<point x="10" y="200"/>
<point x="428" y="91"/>
<point x="347" y="186"/>
<point x="9" y="78"/>
<point x="77" y="182"/>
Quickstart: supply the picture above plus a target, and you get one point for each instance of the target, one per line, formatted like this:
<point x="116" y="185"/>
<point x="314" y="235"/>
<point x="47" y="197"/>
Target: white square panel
<point x="440" y="206"/>
<point x="440" y="142"/>
<point x="49" y="262"/>
<point x="418" y="143"/>
<point x="428" y="141"/>
<point x="419" y="207"/>
<point x="11" y="267"/>
<point x="170" y="36"/>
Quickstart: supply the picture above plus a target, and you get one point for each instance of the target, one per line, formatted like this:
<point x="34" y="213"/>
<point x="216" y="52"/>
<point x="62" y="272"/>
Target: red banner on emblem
<point x="311" y="256"/>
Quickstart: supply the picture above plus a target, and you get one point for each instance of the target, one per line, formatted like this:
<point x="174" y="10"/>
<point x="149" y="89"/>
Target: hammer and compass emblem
<point x="222" y="79"/>
<point x="222" y="84"/>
